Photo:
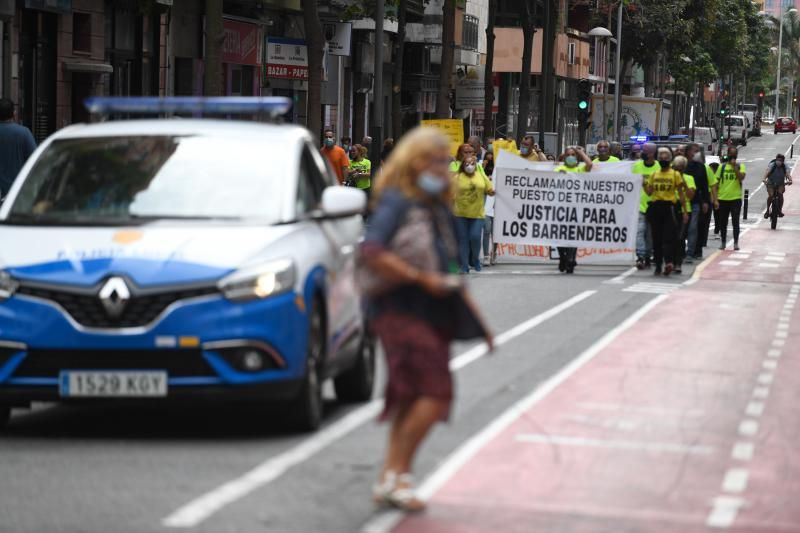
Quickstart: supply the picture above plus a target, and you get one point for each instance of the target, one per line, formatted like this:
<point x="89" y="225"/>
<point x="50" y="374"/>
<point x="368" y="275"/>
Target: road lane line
<point x="743" y="451"/>
<point x="203" y="507"/>
<point x="723" y="513"/>
<point x="735" y="480"/>
<point x="461" y="455"/>
<point x="630" y="445"/>
<point x="748" y="428"/>
<point x="621" y="278"/>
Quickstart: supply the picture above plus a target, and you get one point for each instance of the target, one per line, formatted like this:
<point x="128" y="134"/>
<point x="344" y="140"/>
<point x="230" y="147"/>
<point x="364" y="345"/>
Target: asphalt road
<point x="120" y="469"/>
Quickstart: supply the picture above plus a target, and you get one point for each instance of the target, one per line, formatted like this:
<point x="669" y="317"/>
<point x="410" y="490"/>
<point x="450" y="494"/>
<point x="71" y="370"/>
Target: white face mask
<point x="469" y="169"/>
<point x="698" y="157"/>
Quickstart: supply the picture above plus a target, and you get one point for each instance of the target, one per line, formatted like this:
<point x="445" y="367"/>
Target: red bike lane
<point x="686" y="421"/>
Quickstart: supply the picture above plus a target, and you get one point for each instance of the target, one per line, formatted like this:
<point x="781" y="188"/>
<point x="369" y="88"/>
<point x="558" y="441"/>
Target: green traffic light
<point x="583" y="105"/>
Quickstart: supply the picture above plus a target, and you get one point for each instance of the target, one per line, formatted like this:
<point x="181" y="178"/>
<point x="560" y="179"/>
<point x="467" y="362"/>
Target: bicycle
<point x="774" y="208"/>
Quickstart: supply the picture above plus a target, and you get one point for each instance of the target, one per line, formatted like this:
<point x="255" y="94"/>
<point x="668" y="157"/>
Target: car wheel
<point x="306" y="413"/>
<point x="356" y="384"/>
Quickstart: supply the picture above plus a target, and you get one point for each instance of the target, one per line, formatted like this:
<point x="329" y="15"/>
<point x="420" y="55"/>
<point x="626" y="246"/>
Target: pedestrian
<point x="665" y="188"/>
<point x="366" y="142"/>
<point x="644" y="234"/>
<point x="470" y="189"/>
<point x="346" y="144"/>
<point x="574" y="160"/>
<point x="679" y="164"/>
<point x="388" y="146"/>
<point x="16" y="146"/>
<point x="700" y="202"/>
<point x="360" y="169"/>
<point x="636" y="152"/>
<point x="616" y="150"/>
<point x="604" y="153"/>
<point x="528" y="149"/>
<point x="730" y="176"/>
<point x="480" y="151"/>
<point x="416" y="309"/>
<point x="335" y="155"/>
<point x="775" y="179"/>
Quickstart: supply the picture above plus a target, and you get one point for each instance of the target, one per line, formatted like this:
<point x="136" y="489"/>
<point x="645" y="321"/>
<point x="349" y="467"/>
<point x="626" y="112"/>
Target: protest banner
<point x="582" y="210"/>
<point x="452" y="128"/>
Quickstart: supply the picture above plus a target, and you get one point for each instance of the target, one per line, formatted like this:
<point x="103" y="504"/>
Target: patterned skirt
<point x="418" y="361"/>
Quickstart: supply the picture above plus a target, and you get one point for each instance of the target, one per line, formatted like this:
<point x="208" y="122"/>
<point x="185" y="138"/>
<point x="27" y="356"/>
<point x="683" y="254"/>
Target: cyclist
<point x="775" y="180"/>
<point x="730" y="176"/>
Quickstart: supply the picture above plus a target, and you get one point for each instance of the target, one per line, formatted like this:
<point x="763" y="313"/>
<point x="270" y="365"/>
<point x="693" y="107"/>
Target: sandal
<point x="403" y="497"/>
<point x="382" y="489"/>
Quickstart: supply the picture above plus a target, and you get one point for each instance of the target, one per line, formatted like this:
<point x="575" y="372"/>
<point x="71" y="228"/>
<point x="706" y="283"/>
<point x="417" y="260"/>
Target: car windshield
<point x="124" y="179"/>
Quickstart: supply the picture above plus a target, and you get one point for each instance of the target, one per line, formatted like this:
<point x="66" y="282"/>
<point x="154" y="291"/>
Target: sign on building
<point x="337" y="34"/>
<point x="240" y="46"/>
<point x="287" y="59"/>
<point x="452" y="128"/>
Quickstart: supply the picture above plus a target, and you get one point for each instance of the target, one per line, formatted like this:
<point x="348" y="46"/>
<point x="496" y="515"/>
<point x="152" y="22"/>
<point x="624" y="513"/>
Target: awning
<point x="88" y="66"/>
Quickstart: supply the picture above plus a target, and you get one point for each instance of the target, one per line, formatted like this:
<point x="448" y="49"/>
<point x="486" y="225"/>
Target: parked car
<point x="735" y="129"/>
<point x="163" y="259"/>
<point x="705" y="136"/>
<point x="785" y="124"/>
<point x="768" y="120"/>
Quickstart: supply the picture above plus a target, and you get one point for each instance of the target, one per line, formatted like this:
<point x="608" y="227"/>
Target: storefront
<point x="286" y="73"/>
<point x="240" y="58"/>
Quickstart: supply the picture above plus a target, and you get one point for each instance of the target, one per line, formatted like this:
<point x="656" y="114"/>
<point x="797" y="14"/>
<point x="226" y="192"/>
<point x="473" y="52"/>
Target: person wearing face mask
<point x="360" y="169"/>
<point x="679" y="164"/>
<point x="335" y="155"/>
<point x="666" y="188"/>
<point x="730" y="176"/>
<point x="470" y="189"/>
<point x="489" y="246"/>
<point x="571" y="158"/>
<point x="701" y="202"/>
<point x="528" y="149"/>
<point x="636" y="152"/>
<point x="775" y="179"/>
<point x="415" y="303"/>
<point x="604" y="153"/>
<point x="644" y="235"/>
<point x="480" y="151"/>
<point x="616" y="150"/>
<point x="347" y="143"/>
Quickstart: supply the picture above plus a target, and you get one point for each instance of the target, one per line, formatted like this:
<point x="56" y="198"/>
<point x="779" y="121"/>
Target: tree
<point x="215" y="36"/>
<point x="315" y="42"/>
<point x="488" y="83"/>
<point x="397" y="70"/>
<point x="528" y="31"/>
<point x="448" y="49"/>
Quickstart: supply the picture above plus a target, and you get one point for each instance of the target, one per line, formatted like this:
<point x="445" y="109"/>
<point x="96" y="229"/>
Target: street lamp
<point x="606" y="35"/>
<point x="617" y="81"/>
<point x="778" y="74"/>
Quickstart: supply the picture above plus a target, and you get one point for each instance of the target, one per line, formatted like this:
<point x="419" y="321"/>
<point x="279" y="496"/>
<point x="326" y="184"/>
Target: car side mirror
<point x="338" y="201"/>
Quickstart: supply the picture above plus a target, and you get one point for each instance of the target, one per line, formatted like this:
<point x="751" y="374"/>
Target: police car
<point x="176" y="258"/>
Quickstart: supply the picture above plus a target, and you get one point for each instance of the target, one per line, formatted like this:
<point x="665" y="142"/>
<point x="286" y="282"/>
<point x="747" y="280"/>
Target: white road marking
<point x="783" y="325"/>
<point x="729" y="263"/>
<point x="621" y="278"/>
<point x="755" y="409"/>
<point x="778" y="343"/>
<point x="738" y="256"/>
<point x="748" y="428"/>
<point x="471" y="446"/>
<point x="777" y="254"/>
<point x="774" y="258"/>
<point x="761" y="392"/>
<point x="774" y="353"/>
<point x="770" y="364"/>
<point x="765" y="378"/>
<point x="768" y="265"/>
<point x="201" y="508"/>
<point x="781" y="334"/>
<point x="652" y="288"/>
<point x="629" y="445"/>
<point x="743" y="451"/>
<point x="735" y="480"/>
<point x="723" y="513"/>
<point x="665" y="411"/>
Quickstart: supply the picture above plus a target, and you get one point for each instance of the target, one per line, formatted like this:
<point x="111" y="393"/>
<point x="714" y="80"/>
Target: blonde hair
<point x="398" y="172"/>
<point x="680" y="163"/>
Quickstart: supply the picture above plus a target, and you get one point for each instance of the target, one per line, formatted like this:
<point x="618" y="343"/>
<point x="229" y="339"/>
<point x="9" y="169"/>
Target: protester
<point x="16" y="146"/>
<point x="616" y="150"/>
<point x="679" y="164"/>
<point x="665" y="188"/>
<point x="335" y="155"/>
<point x="480" y="151"/>
<point x="464" y="151"/>
<point x="414" y="307"/>
<point x="636" y="152"/>
<point x="488" y="164"/>
<point x="366" y="142"/>
<point x="604" y="153"/>
<point x="700" y="204"/>
<point x="360" y="169"/>
<point x="775" y="179"/>
<point x="471" y="188"/>
<point x="574" y="160"/>
<point x="713" y="167"/>
<point x="388" y="146"/>
<point x="489" y="246"/>
<point x="528" y="149"/>
<point x="730" y="176"/>
<point x="644" y="235"/>
<point x="347" y="143"/>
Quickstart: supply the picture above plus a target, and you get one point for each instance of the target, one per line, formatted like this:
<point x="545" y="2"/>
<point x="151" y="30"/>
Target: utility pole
<point x="617" y="76"/>
<point x="377" y="89"/>
<point x="488" y="82"/>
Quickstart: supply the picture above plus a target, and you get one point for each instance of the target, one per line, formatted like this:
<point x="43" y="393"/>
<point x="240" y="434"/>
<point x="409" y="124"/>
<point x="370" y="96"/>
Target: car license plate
<point x="111" y="383"/>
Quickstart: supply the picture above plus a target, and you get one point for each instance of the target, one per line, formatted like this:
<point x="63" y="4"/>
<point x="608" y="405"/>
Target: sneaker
<point x="766" y="215"/>
<point x="722" y="246"/>
<point x="735" y="245"/>
<point x="678" y="270"/>
<point x="486" y="262"/>
<point x="657" y="271"/>
<point x="780" y="215"/>
<point x="668" y="268"/>
<point x="689" y="260"/>
<point x="477" y="266"/>
<point x="639" y="264"/>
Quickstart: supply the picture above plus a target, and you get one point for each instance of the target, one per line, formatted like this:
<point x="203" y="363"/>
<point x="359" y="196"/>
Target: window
<point x="310" y="183"/>
<point x="469" y="36"/>
<point x="571" y="53"/>
<point x="82" y="33"/>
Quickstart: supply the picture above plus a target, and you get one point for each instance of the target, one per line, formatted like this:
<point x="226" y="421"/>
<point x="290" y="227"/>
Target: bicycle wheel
<point x="774" y="210"/>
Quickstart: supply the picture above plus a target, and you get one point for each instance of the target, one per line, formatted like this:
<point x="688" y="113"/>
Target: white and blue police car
<point x="176" y="258"/>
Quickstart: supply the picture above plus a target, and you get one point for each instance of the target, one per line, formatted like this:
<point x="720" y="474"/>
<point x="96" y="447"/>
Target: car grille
<point x="87" y="310"/>
<point x="177" y="363"/>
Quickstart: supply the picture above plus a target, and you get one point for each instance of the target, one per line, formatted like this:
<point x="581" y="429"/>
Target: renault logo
<point x="115" y="296"/>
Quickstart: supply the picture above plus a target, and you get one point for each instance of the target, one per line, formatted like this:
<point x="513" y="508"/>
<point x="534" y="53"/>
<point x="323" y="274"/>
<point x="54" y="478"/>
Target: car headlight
<point x="8" y="285"/>
<point x="261" y="281"/>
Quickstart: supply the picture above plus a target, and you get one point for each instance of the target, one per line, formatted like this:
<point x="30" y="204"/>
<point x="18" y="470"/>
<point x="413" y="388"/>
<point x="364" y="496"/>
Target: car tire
<point x="306" y="411"/>
<point x="357" y="383"/>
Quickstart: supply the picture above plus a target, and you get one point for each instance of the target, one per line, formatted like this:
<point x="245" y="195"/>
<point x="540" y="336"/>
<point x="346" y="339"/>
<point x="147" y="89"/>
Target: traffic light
<point x="584" y="101"/>
<point x="723" y="109"/>
<point x="761" y="95"/>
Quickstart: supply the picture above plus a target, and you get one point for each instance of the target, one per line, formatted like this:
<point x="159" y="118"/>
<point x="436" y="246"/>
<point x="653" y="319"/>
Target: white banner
<point x="584" y="210"/>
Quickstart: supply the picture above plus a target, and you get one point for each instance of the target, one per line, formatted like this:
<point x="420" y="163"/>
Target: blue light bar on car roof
<point x="222" y="105"/>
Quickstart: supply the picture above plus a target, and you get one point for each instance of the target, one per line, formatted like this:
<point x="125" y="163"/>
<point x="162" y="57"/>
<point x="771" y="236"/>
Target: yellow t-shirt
<point x="729" y="186"/>
<point x="640" y="168"/>
<point x="688" y="180"/>
<point x="581" y="167"/>
<point x="611" y="159"/>
<point x="364" y="166"/>
<point x="470" y="194"/>
<point x="665" y="184"/>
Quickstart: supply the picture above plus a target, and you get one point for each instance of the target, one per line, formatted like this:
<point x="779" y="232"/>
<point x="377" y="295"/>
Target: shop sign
<point x="240" y="46"/>
<point x="337" y="34"/>
<point x="287" y="59"/>
<point x="56" y="6"/>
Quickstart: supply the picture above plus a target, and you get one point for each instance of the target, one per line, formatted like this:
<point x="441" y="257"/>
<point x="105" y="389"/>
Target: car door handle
<point x="347" y="249"/>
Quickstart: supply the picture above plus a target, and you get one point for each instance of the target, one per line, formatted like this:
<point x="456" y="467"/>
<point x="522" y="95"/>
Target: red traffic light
<point x="761" y="94"/>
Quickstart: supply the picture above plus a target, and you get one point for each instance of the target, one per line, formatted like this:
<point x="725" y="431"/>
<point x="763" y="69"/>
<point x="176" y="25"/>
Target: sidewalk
<point x="687" y="421"/>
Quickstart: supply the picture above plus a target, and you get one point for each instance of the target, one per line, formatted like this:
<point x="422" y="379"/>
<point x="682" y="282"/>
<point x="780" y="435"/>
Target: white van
<point x="737" y="126"/>
<point x="705" y="136"/>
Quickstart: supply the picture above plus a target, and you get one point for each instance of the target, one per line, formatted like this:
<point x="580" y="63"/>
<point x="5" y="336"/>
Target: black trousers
<point x="680" y="236"/>
<point x="732" y="208"/>
<point x="703" y="225"/>
<point x="661" y="216"/>
<point x="567" y="254"/>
